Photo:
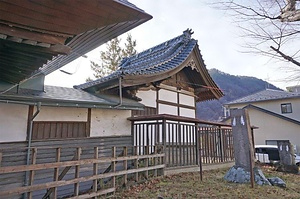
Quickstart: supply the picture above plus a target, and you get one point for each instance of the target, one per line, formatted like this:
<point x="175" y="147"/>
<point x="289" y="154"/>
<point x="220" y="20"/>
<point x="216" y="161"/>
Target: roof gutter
<point x="54" y="104"/>
<point x="120" y="93"/>
<point x="38" y="106"/>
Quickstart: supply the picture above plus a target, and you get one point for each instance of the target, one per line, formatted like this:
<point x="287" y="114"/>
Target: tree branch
<point x="289" y="13"/>
<point x="286" y="57"/>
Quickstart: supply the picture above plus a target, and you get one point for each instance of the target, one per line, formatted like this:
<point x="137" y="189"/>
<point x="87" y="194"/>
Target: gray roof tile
<point x="158" y="59"/>
<point x="265" y="95"/>
<point x="55" y="94"/>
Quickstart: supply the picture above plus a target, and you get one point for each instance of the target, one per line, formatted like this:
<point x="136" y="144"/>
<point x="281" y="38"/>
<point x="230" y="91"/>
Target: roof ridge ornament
<point x="187" y="34"/>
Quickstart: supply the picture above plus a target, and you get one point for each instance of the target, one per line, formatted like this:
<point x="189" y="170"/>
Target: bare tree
<point x="270" y="27"/>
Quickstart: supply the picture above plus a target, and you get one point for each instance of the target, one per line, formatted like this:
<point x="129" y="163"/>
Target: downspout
<point x="120" y="93"/>
<point x="38" y="106"/>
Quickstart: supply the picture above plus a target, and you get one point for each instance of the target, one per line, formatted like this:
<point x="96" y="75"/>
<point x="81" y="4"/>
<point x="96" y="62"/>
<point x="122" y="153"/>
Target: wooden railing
<point x="87" y="171"/>
<point x="216" y="145"/>
<point x="185" y="140"/>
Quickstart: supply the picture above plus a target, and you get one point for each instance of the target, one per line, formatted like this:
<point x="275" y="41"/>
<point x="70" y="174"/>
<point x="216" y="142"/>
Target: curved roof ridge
<point x="144" y="60"/>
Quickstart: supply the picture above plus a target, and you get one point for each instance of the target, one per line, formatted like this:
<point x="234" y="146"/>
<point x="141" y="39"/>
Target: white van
<point x="270" y="154"/>
<point x="267" y="154"/>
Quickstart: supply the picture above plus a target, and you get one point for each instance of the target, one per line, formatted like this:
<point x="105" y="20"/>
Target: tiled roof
<point x="265" y="95"/>
<point x="156" y="60"/>
<point x="62" y="96"/>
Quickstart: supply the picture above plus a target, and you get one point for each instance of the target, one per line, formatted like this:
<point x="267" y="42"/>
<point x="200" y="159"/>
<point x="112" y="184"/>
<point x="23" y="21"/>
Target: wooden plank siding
<point x="58" y="130"/>
<point x="14" y="154"/>
<point x="145" y="112"/>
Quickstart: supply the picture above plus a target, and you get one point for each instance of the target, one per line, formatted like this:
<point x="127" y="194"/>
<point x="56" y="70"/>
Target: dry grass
<point x="188" y="185"/>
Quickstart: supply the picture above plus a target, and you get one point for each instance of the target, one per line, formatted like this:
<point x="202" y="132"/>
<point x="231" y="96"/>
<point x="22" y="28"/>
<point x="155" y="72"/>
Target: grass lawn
<point x="188" y="185"/>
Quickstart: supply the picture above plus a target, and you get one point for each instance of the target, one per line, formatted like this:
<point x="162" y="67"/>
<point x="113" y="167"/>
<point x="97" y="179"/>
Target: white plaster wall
<point x="275" y="106"/>
<point x="166" y="95"/>
<point x="148" y="98"/>
<point x="62" y="114"/>
<point x="273" y="128"/>
<point x="107" y="122"/>
<point x="187" y="112"/>
<point x="167" y="109"/>
<point x="186" y="99"/>
<point x="13" y="122"/>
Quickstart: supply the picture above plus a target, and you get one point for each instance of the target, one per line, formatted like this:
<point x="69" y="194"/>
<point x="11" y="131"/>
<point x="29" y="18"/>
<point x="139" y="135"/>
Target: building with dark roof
<point x="159" y="63"/>
<point x="91" y="119"/>
<point x="276" y="114"/>
<point x="37" y="38"/>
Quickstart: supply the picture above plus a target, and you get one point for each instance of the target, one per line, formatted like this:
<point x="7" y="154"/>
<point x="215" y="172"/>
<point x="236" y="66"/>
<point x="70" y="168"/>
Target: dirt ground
<point x="188" y="185"/>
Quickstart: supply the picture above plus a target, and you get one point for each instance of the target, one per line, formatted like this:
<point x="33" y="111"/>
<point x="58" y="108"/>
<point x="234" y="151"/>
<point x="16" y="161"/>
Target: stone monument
<point x="286" y="156"/>
<point x="243" y="151"/>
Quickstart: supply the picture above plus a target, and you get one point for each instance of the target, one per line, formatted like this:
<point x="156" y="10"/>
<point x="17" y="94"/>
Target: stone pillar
<point x="285" y="152"/>
<point x="243" y="169"/>
<point x="242" y="138"/>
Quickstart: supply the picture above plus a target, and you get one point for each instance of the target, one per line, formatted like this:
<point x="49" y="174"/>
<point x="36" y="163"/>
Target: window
<point x="286" y="108"/>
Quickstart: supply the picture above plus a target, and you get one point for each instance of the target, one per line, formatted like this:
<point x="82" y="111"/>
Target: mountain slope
<point x="233" y="87"/>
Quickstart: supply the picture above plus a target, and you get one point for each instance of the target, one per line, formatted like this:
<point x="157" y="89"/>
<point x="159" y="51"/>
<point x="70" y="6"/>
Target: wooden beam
<point x="48" y="185"/>
<point x="176" y="105"/>
<point x="13" y="169"/>
<point x="31" y="35"/>
<point x="94" y="194"/>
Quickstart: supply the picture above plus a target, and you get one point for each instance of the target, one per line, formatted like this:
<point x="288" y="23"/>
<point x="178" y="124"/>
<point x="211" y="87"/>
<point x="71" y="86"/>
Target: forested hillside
<point x="233" y="87"/>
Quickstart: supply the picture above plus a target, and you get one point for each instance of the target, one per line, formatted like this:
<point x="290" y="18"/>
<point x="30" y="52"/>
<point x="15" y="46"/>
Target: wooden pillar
<point x="56" y="172"/>
<point x="95" y="171"/>
<point x="77" y="167"/>
<point x="31" y="176"/>
<point x="88" y="123"/>
<point x="125" y="153"/>
<point x="221" y="143"/>
<point x="29" y="117"/>
<point x="136" y="163"/>
<point x="147" y="162"/>
<point x="113" y="166"/>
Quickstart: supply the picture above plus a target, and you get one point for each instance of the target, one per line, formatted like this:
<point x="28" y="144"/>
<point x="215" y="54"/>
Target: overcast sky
<point x="218" y="38"/>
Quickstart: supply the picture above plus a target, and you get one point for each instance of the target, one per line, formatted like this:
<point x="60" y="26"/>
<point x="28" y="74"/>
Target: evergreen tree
<point x="111" y="58"/>
<point x="129" y="47"/>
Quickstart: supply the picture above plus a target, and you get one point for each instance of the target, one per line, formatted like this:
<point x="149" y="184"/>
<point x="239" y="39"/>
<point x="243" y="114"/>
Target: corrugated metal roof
<point x="160" y="62"/>
<point x="265" y="95"/>
<point x="62" y="96"/>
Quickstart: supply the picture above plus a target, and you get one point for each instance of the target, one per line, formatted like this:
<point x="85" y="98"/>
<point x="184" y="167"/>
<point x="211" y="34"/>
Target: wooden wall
<point x="15" y="154"/>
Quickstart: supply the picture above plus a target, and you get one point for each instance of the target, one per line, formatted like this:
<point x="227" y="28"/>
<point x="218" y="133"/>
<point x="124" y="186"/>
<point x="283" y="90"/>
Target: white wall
<point x="273" y="128"/>
<point x="13" y="122"/>
<point x="275" y="106"/>
<point x="61" y="114"/>
<point x="167" y="109"/>
<point x="107" y="122"/>
<point x="166" y="95"/>
<point x="187" y="112"/>
<point x="186" y="99"/>
<point x="148" y="98"/>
